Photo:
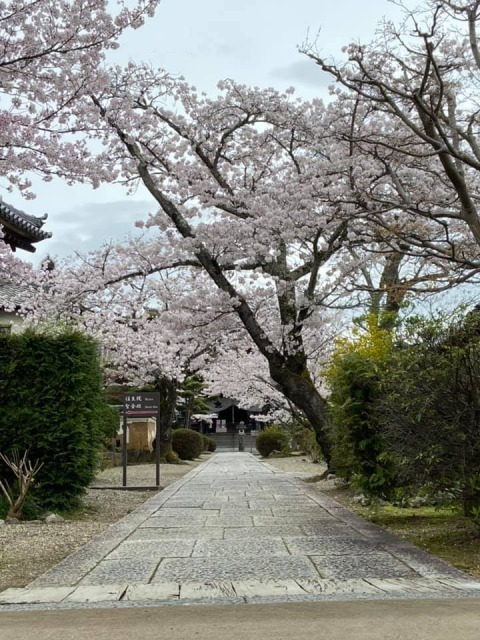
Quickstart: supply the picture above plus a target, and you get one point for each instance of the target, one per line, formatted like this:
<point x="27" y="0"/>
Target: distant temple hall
<point x="226" y="417"/>
<point x="21" y="230"/>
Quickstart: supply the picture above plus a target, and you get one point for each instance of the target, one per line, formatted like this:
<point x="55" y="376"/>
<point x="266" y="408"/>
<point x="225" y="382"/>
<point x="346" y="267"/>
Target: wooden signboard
<point x="142" y="404"/>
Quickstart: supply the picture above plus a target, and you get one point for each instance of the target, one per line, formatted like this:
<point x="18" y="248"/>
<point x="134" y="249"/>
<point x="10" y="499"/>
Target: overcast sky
<point x="252" y="41"/>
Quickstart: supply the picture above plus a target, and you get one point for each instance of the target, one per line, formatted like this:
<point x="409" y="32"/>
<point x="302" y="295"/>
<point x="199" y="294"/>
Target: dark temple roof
<point x="14" y="294"/>
<point x="20" y="229"/>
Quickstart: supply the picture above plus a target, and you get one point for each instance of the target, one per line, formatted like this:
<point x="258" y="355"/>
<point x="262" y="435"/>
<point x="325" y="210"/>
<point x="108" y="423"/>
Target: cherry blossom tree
<point x="238" y="370"/>
<point x="241" y="373"/>
<point x="387" y="283"/>
<point x="50" y="53"/>
<point x="411" y="98"/>
<point x="254" y="188"/>
<point x="239" y="182"/>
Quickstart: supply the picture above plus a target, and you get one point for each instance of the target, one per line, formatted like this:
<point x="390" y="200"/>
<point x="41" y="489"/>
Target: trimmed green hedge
<point x="51" y="404"/>
<point x="271" y="439"/>
<point x="209" y="444"/>
<point x="187" y="443"/>
<point x="212" y="444"/>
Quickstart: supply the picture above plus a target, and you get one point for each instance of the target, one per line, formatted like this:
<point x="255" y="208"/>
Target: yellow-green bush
<point x="359" y="450"/>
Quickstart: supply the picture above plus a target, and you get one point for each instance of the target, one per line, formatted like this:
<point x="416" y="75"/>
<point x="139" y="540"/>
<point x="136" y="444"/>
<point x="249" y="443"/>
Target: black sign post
<point x="142" y="405"/>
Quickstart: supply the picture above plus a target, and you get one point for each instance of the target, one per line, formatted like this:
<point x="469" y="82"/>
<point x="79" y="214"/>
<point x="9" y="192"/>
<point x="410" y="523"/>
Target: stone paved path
<point x="235" y="529"/>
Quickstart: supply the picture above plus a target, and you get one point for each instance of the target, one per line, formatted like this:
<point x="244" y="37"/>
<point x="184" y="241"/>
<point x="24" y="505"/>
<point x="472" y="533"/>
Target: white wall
<point x="10" y="319"/>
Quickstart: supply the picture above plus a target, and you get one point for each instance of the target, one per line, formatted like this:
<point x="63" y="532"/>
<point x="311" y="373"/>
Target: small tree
<point x="25" y="473"/>
<point x="191" y="391"/>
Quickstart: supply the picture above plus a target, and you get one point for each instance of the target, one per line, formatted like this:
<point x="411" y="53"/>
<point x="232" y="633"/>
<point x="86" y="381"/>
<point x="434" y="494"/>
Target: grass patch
<point x="442" y="532"/>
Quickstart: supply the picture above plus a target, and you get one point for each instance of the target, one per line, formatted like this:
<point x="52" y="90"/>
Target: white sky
<point x="252" y="41"/>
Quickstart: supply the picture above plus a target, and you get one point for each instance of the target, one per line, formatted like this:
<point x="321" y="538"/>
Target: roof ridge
<point x="23" y="227"/>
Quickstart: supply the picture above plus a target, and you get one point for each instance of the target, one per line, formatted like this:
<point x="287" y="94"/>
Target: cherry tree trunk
<point x="168" y="402"/>
<point x="299" y="389"/>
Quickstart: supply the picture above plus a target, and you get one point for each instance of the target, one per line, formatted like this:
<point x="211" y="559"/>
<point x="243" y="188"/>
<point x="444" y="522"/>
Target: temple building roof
<point x="21" y="230"/>
<point x="13" y="296"/>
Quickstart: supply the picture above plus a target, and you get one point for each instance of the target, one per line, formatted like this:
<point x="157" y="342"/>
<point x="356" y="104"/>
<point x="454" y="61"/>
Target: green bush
<point x="429" y="407"/>
<point x="272" y="438"/>
<point x="50" y="395"/>
<point x="212" y="445"/>
<point x="209" y="444"/>
<point x="305" y="442"/>
<point x="188" y="444"/>
<point x="360" y="453"/>
<point x="171" y="457"/>
<point x="108" y="421"/>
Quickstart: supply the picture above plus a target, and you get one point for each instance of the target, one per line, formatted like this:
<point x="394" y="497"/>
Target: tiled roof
<point x="23" y="223"/>
<point x="14" y="294"/>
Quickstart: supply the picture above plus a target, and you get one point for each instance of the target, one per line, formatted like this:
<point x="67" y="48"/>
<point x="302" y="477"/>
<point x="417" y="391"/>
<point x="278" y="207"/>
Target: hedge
<point x="50" y="395"/>
<point x="271" y="439"/>
<point x="212" y="444"/>
<point x="188" y="444"/>
<point x="209" y="444"/>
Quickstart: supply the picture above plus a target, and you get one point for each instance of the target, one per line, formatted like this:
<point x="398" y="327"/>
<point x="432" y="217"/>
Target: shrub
<point x="430" y="407"/>
<point x="171" y="457"/>
<point x="50" y="394"/>
<point x="212" y="444"/>
<point x="209" y="444"/>
<point x="188" y="444"/>
<point x="305" y="442"/>
<point x="108" y="421"/>
<point x="360" y="452"/>
<point x="272" y="438"/>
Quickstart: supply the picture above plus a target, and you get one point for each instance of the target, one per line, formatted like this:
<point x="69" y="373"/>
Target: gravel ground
<point x="302" y="467"/>
<point x="27" y="550"/>
<point x="299" y="466"/>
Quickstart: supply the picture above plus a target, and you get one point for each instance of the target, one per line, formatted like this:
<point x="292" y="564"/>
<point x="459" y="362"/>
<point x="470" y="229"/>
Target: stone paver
<point x="328" y="546"/>
<point x="152" y="549"/>
<point x="372" y="565"/>
<point x="235" y="529"/>
<point x="253" y="547"/>
<point x="129" y="570"/>
<point x="181" y="533"/>
<point x="102" y="593"/>
<point x="234" y="568"/>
